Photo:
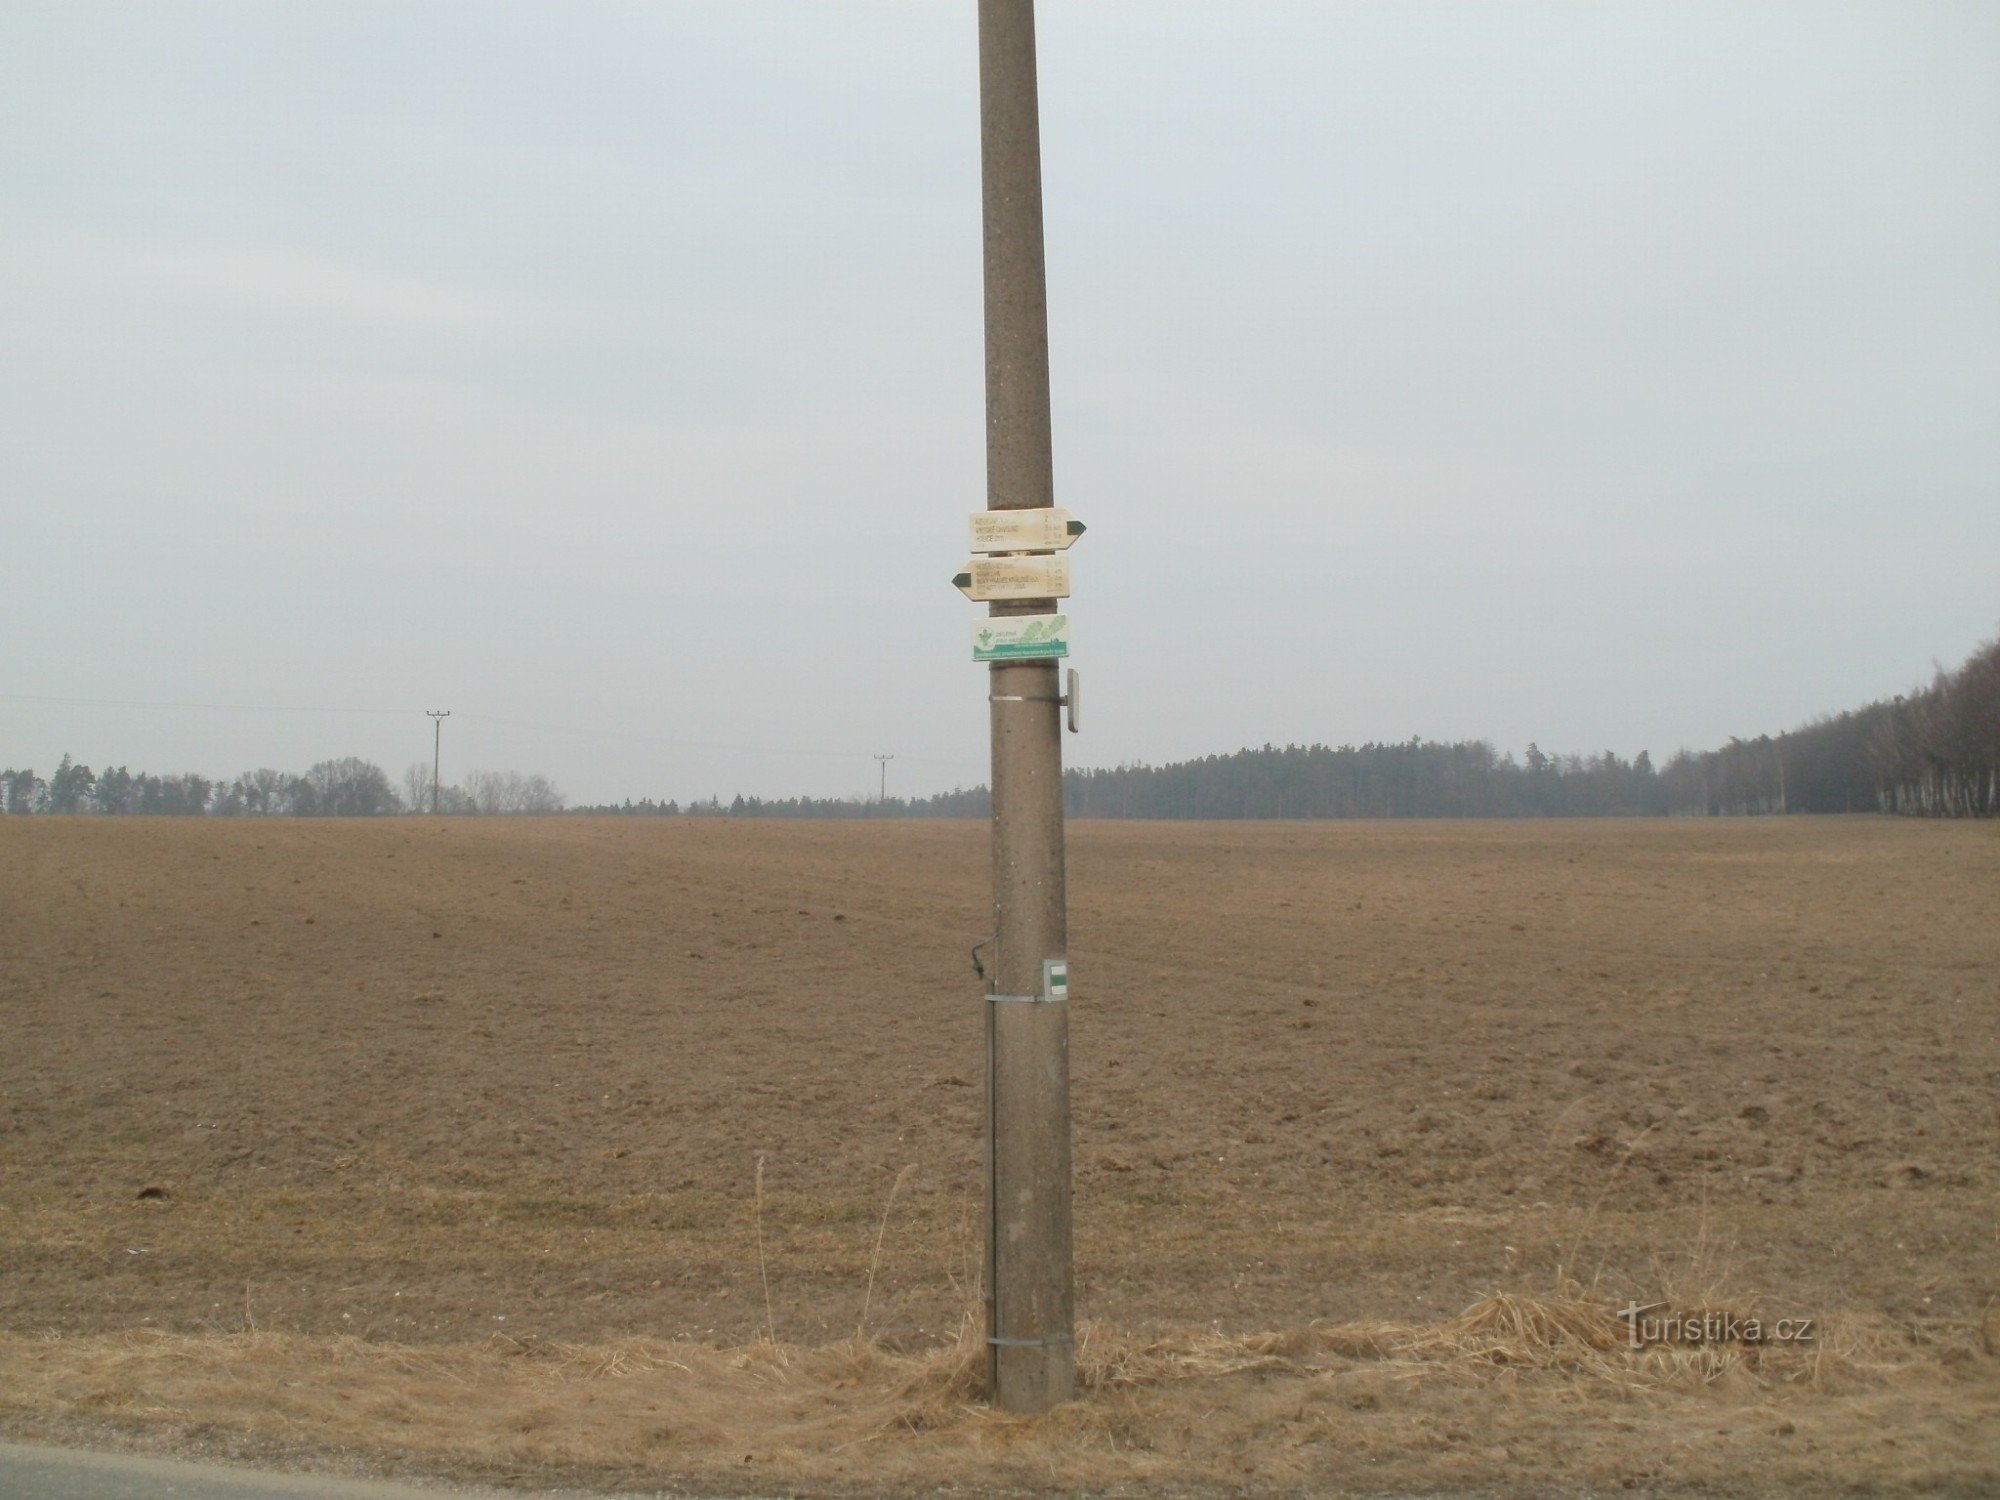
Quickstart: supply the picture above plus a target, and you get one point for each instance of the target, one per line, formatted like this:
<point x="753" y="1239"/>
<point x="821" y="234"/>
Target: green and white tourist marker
<point x="1055" y="979"/>
<point x="1020" y="637"/>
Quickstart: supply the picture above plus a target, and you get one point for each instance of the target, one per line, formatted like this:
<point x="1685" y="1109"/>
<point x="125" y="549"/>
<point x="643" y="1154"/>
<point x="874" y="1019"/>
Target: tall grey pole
<point x="883" y="761"/>
<point x="437" y="716"/>
<point x="1030" y="1296"/>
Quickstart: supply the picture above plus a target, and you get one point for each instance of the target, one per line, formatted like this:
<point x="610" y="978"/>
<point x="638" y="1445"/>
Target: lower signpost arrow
<point x="990" y="578"/>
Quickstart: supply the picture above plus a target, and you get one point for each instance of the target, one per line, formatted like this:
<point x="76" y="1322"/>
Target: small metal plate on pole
<point x="1020" y="637"/>
<point x="988" y="578"/>
<point x="1048" y="528"/>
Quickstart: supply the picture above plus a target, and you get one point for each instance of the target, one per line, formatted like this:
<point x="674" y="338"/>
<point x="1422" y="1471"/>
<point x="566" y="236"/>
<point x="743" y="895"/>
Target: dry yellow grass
<point x="1538" y="1393"/>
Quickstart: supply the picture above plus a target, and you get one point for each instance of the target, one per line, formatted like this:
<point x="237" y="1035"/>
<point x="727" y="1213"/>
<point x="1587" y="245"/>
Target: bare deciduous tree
<point x="417" y="787"/>
<point x="511" y="792"/>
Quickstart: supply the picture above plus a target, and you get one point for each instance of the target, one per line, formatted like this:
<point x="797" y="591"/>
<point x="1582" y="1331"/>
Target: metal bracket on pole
<point x="1072" y="700"/>
<point x="1055" y="986"/>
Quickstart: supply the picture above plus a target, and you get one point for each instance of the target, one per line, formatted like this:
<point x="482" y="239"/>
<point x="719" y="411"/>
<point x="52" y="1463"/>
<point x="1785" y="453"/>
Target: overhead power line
<point x="586" y="731"/>
<point x="235" y="708"/>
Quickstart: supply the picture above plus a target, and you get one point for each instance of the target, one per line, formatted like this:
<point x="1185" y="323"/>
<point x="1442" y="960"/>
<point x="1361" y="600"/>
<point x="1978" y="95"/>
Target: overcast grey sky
<point x="1608" y="375"/>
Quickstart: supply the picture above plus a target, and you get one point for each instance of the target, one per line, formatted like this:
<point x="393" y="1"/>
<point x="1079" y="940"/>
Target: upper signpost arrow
<point x="988" y="578"/>
<point x="1043" y="529"/>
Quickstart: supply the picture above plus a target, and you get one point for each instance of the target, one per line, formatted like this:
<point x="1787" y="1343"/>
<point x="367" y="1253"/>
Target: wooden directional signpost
<point x="990" y="578"/>
<point x="1049" y="530"/>
<point x="1030" y="1298"/>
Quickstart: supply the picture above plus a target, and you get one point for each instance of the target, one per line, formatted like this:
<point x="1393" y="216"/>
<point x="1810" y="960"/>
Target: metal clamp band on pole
<point x="1061" y="1340"/>
<point x="1029" y="999"/>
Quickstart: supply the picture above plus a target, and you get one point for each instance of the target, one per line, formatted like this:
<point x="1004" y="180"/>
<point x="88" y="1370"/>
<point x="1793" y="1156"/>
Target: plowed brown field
<point x="316" y="1094"/>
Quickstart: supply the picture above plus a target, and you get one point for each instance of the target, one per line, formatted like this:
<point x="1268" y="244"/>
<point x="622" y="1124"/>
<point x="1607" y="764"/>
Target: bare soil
<point x="436" y="1144"/>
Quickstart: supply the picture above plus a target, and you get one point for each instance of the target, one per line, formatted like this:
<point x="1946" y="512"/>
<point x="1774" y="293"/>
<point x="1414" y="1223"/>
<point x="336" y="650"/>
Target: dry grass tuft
<point x="1107" y="1361"/>
<point x="1545" y="1332"/>
<point x="875" y="1260"/>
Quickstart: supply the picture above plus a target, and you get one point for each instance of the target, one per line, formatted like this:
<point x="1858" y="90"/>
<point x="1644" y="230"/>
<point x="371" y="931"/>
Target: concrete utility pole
<point x="437" y="717"/>
<point x="1030" y="1296"/>
<point x="883" y="761"/>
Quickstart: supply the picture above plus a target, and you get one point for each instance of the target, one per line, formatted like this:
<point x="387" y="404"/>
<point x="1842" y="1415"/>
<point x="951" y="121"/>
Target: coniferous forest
<point x="1932" y="752"/>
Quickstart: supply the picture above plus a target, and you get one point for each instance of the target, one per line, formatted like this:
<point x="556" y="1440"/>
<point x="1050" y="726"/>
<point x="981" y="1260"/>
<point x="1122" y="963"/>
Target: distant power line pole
<point x="1030" y="1289"/>
<point x="884" y="761"/>
<point x="437" y="717"/>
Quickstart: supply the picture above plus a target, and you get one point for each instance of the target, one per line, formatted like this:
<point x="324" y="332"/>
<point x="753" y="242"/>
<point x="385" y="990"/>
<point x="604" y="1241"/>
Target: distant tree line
<point x="1414" y="779"/>
<point x="1933" y="752"/>
<point x="1937" y="750"/>
<point x="1418" y="778"/>
<point x="960" y="804"/>
<point x="485" y="792"/>
<point x="348" y="787"/>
